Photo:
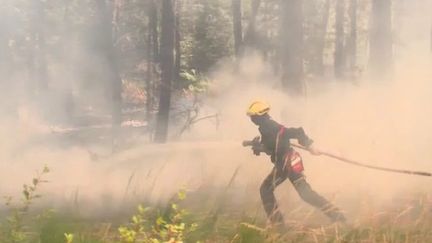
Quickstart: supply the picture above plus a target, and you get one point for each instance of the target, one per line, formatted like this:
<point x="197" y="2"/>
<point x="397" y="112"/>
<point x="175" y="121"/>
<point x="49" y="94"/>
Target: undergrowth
<point x="182" y="221"/>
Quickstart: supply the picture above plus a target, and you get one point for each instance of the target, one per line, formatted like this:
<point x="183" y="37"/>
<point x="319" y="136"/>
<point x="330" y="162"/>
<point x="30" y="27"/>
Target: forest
<point x="123" y="120"/>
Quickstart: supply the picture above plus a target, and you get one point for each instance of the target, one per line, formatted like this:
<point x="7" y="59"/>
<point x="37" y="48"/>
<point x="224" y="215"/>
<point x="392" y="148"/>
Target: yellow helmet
<point x="258" y="108"/>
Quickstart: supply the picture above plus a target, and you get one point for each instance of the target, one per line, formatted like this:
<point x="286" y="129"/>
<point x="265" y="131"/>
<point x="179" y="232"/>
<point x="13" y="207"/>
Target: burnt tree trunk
<point x="380" y="41"/>
<point x="237" y="26"/>
<point x="291" y="46"/>
<point x="167" y="69"/>
<point x="339" y="55"/>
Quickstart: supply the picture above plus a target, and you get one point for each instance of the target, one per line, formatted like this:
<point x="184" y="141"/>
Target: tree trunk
<point x="380" y="41"/>
<point x="154" y="28"/>
<point x="150" y="59"/>
<point x="154" y="23"/>
<point x="108" y="26"/>
<point x="69" y="102"/>
<point x="237" y="26"/>
<point x="149" y="79"/>
<point x="291" y="46"/>
<point x="352" y="41"/>
<point x="167" y="68"/>
<point x="116" y="80"/>
<point x="339" y="55"/>
<point x="177" y="41"/>
<point x="322" y="38"/>
<point x="250" y="36"/>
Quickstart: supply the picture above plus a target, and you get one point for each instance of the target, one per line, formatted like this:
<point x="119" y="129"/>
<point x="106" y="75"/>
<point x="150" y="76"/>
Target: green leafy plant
<point x="69" y="237"/>
<point x="14" y="229"/>
<point x="165" y="227"/>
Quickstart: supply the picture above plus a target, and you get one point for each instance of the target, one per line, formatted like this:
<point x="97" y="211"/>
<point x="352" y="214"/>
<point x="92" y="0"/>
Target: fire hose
<point x="350" y="161"/>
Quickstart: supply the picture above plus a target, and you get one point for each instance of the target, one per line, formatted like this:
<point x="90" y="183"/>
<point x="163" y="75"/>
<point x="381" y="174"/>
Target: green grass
<point x="399" y="225"/>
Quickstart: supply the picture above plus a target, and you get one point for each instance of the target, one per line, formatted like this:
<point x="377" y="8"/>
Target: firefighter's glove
<point x="257" y="146"/>
<point x="256" y="151"/>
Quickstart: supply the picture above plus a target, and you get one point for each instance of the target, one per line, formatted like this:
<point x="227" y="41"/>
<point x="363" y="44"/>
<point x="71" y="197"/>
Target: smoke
<point x="379" y="122"/>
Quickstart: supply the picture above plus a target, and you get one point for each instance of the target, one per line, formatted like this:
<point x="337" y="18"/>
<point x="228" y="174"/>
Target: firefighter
<point x="275" y="142"/>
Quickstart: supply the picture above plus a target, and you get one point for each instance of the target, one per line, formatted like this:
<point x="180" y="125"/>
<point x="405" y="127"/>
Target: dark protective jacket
<point x="276" y="140"/>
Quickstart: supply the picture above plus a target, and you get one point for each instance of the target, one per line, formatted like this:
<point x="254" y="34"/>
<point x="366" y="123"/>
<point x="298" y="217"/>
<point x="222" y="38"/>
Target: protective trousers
<point x="276" y="177"/>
